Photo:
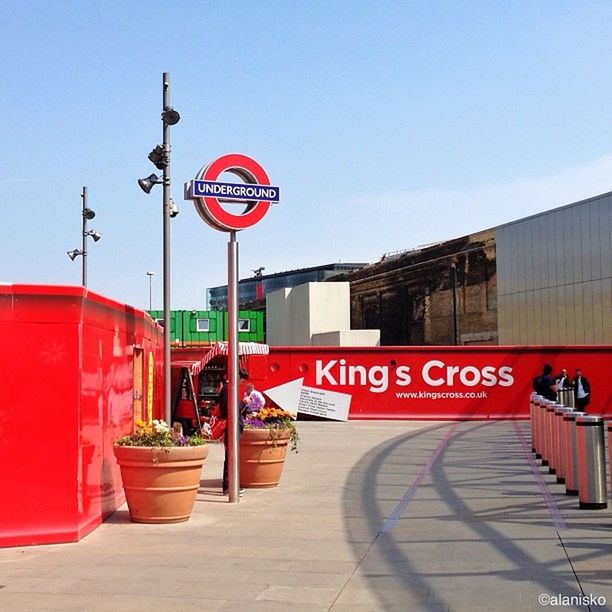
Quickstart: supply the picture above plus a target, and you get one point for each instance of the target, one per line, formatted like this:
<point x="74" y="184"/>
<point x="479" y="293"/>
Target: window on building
<point x="244" y="325"/>
<point x="203" y="325"/>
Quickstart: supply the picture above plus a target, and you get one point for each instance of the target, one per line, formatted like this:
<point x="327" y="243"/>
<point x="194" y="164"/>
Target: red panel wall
<point x="438" y="382"/>
<point x="67" y="364"/>
<point x="410" y="382"/>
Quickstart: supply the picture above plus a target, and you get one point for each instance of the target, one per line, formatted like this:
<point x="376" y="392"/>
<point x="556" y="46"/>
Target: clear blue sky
<point x="386" y="124"/>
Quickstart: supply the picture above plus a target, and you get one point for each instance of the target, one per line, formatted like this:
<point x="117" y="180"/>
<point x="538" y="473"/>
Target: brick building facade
<point x="410" y="296"/>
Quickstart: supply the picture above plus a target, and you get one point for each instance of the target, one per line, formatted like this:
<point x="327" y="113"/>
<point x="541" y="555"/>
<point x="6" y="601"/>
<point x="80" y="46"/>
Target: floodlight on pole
<point x="170" y="116"/>
<point x="158" y="157"/>
<point x="146" y="184"/>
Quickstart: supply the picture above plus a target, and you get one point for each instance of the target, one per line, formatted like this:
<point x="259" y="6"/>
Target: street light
<point x="453" y="280"/>
<point x="160" y="157"/>
<point x="87" y="215"/>
<point x="150" y="275"/>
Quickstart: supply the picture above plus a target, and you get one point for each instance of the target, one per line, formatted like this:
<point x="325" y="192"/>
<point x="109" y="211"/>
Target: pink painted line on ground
<point x="553" y="510"/>
<point x="409" y="494"/>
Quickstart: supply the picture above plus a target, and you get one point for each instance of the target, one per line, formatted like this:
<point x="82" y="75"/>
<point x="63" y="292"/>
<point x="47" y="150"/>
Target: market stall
<point x="196" y="382"/>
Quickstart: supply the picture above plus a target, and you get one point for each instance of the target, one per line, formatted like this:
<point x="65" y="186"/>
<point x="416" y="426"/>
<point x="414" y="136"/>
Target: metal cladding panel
<point x="591" y="259"/>
<point x="63" y="480"/>
<point x="594" y="244"/>
<point x="598" y="309"/>
<point x="607" y="300"/>
<point x="605" y="239"/>
<point x="552" y="264"/>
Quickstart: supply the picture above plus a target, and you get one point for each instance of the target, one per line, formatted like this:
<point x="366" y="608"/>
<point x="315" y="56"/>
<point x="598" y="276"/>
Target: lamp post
<point x="453" y="276"/>
<point x="150" y="275"/>
<point x="87" y="214"/>
<point x="160" y="157"/>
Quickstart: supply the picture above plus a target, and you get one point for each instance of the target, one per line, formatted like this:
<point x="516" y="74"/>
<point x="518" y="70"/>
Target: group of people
<point x="547" y="386"/>
<point x="252" y="401"/>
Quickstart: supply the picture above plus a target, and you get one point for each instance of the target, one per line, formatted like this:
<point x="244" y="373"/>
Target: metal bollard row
<point x="572" y="445"/>
<point x="565" y="396"/>
<point x="571" y="457"/>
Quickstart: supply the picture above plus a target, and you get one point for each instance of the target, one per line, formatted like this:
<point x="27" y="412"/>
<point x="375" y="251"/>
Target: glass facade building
<point x="256" y="288"/>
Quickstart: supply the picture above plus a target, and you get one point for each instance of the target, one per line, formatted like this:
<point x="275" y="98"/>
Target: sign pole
<point x="210" y="196"/>
<point x="232" y="362"/>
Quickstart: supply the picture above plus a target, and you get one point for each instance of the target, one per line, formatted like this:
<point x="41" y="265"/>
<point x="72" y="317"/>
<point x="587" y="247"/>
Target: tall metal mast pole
<point x="166" y="248"/>
<point x="84" y="243"/>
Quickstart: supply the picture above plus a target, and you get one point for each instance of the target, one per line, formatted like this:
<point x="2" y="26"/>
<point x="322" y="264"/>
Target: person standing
<point x="223" y="407"/>
<point x="562" y="380"/>
<point x="582" y="390"/>
<point x="253" y="400"/>
<point x="547" y="387"/>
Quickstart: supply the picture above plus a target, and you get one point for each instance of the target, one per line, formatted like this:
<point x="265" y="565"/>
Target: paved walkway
<point x="369" y="516"/>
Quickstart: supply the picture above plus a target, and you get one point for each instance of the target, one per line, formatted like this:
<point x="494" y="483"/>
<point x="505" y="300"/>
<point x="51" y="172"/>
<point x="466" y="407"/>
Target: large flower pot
<point x="262" y="456"/>
<point x="160" y="483"/>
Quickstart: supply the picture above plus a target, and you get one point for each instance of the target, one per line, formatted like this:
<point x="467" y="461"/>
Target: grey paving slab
<point x="364" y="520"/>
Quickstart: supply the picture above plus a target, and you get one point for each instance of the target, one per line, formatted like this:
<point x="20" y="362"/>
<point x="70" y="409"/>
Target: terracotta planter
<point x="160" y="484"/>
<point x="262" y="456"/>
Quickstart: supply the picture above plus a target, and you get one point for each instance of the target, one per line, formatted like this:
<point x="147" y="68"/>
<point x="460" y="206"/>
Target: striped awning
<point x="220" y="348"/>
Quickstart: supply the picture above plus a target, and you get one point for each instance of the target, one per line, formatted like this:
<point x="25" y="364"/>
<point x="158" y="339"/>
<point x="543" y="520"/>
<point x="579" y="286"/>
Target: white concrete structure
<point x="348" y="337"/>
<point x="314" y="314"/>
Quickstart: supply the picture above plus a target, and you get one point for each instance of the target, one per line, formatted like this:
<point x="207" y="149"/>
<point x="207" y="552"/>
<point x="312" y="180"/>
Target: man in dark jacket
<point x="582" y="390"/>
<point x="548" y="387"/>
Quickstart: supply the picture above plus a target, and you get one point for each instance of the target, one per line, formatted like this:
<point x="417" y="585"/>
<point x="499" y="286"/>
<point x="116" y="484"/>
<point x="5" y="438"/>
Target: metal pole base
<point x="593" y="505"/>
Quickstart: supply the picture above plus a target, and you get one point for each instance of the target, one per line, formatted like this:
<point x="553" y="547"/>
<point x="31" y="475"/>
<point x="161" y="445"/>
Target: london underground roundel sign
<point x="208" y="194"/>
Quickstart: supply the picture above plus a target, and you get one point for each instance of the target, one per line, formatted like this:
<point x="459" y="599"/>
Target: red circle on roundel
<point x="251" y="172"/>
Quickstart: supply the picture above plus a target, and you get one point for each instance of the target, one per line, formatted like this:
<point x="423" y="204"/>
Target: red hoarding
<point x="426" y="382"/>
<point x="75" y="366"/>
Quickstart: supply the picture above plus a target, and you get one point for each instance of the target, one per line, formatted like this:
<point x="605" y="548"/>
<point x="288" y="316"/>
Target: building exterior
<point x="441" y="294"/>
<point x="542" y="280"/>
<point x="202" y="327"/>
<point x="254" y="289"/>
<point x="554" y="276"/>
<point x="314" y="314"/>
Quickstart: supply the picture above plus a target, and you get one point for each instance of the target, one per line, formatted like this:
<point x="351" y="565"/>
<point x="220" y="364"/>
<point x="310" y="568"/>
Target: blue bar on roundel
<point x="235" y="191"/>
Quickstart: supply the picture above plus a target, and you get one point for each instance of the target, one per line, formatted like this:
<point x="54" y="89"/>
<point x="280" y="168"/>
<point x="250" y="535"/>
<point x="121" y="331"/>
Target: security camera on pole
<point x="257" y="195"/>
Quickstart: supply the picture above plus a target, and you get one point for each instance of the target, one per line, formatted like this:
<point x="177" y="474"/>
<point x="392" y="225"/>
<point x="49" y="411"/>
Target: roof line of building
<point x="308" y="269"/>
<point x="550" y="210"/>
